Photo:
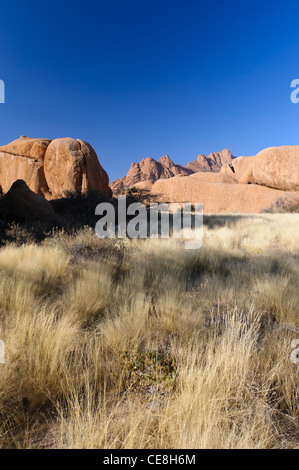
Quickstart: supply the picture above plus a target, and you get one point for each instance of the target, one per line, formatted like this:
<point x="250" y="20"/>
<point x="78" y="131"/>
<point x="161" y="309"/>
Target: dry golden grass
<point x="143" y="344"/>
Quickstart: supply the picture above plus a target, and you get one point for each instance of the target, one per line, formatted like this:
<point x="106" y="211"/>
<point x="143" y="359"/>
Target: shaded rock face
<point x="52" y="168"/>
<point x="21" y="204"/>
<point x="151" y="170"/>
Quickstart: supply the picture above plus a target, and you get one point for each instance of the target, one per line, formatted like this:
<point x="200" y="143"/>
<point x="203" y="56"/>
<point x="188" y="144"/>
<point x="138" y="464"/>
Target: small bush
<point x="152" y="370"/>
<point x="284" y="205"/>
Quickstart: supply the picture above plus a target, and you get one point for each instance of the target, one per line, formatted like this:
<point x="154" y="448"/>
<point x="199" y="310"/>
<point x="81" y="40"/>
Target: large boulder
<point x="278" y="167"/>
<point x="21" y="204"/>
<point x="275" y="167"/>
<point x="52" y="168"/>
<point x="70" y="165"/>
<point x="241" y="169"/>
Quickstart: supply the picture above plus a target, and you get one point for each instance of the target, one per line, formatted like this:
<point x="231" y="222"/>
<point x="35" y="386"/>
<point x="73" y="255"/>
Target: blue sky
<point x="149" y="78"/>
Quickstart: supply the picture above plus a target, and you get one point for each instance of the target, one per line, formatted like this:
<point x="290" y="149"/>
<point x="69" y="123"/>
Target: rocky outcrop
<point x="147" y="169"/>
<point x="175" y="169"/>
<point x="52" y="168"/>
<point x="218" y="196"/>
<point x="151" y="170"/>
<point x="21" y="204"/>
<point x="275" y="167"/>
<point x="244" y="184"/>
<point x="200" y="164"/>
<point x="213" y="162"/>
<point x="223" y="183"/>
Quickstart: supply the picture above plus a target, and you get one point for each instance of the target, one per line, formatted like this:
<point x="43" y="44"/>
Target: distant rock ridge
<point x="151" y="170"/>
<point x="213" y="162"/>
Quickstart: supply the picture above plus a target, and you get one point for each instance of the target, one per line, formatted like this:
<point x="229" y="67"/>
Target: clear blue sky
<point x="139" y="78"/>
